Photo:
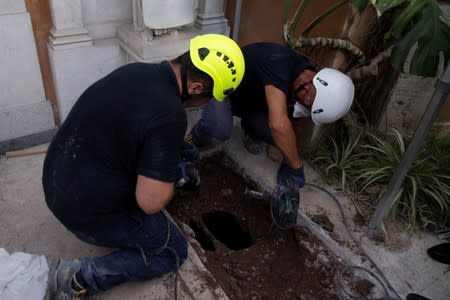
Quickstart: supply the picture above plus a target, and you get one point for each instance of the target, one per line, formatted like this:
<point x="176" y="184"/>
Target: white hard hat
<point x="334" y="96"/>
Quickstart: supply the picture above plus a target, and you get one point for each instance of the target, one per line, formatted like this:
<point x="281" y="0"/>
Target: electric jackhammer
<point x="283" y="201"/>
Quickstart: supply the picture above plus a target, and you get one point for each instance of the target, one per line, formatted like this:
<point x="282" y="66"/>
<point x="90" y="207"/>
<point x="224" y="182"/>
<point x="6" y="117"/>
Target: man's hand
<point x="288" y="176"/>
<point x="188" y="178"/>
<point x="189" y="152"/>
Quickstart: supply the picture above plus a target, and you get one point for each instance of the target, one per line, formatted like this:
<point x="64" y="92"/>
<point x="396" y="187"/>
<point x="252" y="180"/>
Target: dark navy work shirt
<point x="266" y="64"/>
<point x="129" y="123"/>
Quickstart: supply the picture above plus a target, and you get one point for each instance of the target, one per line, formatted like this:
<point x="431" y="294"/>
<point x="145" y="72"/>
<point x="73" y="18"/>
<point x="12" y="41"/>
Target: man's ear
<point x="195" y="88"/>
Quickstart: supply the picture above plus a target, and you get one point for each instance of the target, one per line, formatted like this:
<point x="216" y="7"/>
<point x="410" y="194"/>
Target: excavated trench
<point x="246" y="254"/>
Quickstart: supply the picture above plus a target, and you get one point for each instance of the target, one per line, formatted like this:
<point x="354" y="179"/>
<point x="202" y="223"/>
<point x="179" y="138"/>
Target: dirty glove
<point x="289" y="177"/>
<point x="188" y="178"/>
<point x="189" y="152"/>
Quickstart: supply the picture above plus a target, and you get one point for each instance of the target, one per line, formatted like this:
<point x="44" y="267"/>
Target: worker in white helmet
<point x="279" y="86"/>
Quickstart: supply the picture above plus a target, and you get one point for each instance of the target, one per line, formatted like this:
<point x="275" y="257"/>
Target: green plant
<point x="337" y="162"/>
<point x="341" y="163"/>
<point x="426" y="188"/>
<point x="420" y="27"/>
<point x="363" y="167"/>
<point x="424" y="198"/>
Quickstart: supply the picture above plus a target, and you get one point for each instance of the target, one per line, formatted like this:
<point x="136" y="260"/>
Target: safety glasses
<point x="300" y="88"/>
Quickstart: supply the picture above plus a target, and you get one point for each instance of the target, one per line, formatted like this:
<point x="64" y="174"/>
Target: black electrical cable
<point x="358" y="244"/>
<point x="340" y="283"/>
<point x="339" y="276"/>
<point x="164" y="247"/>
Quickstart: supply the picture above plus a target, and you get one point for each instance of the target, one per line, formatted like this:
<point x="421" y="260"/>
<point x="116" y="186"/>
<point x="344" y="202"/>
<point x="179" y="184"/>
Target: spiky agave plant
<point x="341" y="162"/>
<point x="337" y="162"/>
<point x="424" y="198"/>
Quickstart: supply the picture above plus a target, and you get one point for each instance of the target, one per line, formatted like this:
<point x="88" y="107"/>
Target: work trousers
<point x="216" y="123"/>
<point x="148" y="246"/>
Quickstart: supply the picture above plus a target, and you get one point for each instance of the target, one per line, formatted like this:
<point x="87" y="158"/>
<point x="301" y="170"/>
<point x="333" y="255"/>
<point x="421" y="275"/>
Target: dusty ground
<point x="273" y="263"/>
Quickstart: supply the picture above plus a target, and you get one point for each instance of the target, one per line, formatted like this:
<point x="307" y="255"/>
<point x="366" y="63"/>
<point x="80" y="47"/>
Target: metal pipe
<point x="237" y="20"/>
<point x="442" y="89"/>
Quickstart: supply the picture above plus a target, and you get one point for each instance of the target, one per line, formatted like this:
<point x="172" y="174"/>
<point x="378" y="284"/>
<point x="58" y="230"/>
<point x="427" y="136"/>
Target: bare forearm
<point x="281" y="128"/>
<point x="153" y="195"/>
<point x="285" y="139"/>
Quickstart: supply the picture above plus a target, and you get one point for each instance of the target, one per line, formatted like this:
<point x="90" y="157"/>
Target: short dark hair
<point x="195" y="74"/>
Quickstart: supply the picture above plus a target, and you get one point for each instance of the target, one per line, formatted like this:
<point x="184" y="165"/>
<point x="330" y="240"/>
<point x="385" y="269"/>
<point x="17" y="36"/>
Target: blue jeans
<point x="216" y="122"/>
<point x="148" y="246"/>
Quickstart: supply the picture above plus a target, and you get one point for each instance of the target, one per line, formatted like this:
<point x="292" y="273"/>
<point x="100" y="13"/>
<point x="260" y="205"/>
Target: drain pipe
<point x="237" y="20"/>
<point x="442" y="90"/>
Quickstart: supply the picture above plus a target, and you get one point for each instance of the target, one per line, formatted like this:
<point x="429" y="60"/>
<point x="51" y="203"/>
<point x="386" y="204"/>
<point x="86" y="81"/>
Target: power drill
<point x="283" y="201"/>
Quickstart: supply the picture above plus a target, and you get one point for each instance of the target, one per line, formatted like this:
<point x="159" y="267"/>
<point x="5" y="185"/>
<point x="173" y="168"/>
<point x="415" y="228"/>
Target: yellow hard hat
<point x="221" y="58"/>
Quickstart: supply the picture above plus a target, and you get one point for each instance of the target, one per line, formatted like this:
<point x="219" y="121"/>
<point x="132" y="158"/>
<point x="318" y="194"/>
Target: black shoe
<point x="253" y="146"/>
<point x="416" y="297"/>
<point x="60" y="277"/>
<point x="440" y="253"/>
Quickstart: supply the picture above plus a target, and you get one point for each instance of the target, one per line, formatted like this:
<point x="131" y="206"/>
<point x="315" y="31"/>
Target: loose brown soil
<point x="279" y="264"/>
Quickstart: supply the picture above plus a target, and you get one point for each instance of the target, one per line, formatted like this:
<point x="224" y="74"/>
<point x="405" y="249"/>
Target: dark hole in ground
<point x="201" y="236"/>
<point x="226" y="228"/>
<point x="280" y="264"/>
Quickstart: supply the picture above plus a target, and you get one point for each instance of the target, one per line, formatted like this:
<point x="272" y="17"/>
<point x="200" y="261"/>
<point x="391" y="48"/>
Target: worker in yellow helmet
<point x="116" y="159"/>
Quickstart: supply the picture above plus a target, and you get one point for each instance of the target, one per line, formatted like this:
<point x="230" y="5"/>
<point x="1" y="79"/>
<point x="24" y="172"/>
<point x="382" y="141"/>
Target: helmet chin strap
<point x="184" y="91"/>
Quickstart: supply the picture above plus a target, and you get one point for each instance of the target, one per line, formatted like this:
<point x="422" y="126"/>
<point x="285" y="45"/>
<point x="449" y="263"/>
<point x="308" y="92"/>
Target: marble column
<point x="76" y="60"/>
<point x="210" y="17"/>
<point x="68" y="29"/>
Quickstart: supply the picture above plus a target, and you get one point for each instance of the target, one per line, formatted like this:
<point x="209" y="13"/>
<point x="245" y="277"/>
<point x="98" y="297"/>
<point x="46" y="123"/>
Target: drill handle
<point x="266" y="196"/>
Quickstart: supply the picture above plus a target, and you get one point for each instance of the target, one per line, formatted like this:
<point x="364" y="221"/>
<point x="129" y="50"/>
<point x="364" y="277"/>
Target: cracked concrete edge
<point x="194" y="276"/>
<point x="198" y="280"/>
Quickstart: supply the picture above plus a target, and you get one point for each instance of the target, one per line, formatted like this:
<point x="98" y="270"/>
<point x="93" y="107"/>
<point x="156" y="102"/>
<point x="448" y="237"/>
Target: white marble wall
<point x="83" y="48"/>
<point x="75" y="69"/>
<point x="143" y="45"/>
<point x="23" y="106"/>
<point x="102" y="17"/>
<point x="84" y="44"/>
<point x="8" y="7"/>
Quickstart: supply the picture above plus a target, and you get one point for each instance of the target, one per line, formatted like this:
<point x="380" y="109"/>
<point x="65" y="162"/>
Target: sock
<point x="78" y="283"/>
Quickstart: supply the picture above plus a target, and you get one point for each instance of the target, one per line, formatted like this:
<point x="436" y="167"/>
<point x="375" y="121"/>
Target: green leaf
<point x="383" y="5"/>
<point x="432" y="37"/>
<point x="404" y="19"/>
<point x="286" y="7"/>
<point x="360" y="5"/>
<point x="363" y="167"/>
<point x="446" y="20"/>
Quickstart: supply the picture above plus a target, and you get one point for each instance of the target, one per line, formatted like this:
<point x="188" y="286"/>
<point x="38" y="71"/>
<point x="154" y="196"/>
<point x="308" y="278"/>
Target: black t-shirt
<point x="266" y="64"/>
<point x="128" y="123"/>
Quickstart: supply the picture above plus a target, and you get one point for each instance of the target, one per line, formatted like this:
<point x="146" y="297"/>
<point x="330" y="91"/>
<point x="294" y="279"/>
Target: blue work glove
<point x="288" y="176"/>
<point x="189" y="152"/>
<point x="188" y="178"/>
